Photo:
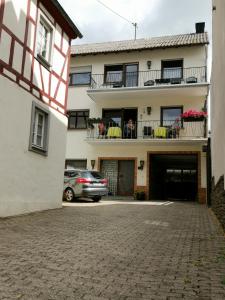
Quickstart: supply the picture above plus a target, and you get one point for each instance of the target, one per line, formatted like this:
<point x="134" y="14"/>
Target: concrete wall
<point x="217" y="110"/>
<point x="218" y="91"/>
<point x="28" y="181"/>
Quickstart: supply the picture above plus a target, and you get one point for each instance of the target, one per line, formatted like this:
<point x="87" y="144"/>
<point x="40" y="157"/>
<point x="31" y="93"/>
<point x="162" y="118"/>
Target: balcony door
<point x="131" y="75"/>
<point x="121" y="117"/>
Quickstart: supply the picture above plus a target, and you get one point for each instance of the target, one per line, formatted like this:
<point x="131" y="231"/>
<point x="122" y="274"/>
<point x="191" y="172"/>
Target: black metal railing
<point x="168" y="76"/>
<point x="153" y="129"/>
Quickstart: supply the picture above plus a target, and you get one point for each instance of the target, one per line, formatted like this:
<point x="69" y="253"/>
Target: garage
<point x="173" y="177"/>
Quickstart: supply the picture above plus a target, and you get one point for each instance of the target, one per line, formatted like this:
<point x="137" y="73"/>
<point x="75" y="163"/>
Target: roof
<point x="55" y="7"/>
<point x="142" y="44"/>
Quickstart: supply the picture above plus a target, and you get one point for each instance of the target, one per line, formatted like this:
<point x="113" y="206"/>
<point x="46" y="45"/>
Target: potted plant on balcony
<point x="193" y="116"/>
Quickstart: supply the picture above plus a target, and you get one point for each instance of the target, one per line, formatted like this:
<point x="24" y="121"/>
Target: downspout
<point x="209" y="172"/>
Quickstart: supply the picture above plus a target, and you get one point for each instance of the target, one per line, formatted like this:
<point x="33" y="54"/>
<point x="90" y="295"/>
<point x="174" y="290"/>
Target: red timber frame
<point x="7" y="70"/>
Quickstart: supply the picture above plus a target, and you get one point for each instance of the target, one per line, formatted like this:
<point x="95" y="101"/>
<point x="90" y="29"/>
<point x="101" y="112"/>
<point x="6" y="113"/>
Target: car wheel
<point x="96" y="198"/>
<point x="69" y="195"/>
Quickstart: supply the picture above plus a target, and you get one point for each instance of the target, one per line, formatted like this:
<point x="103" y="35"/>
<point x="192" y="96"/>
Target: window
<point x="76" y="164"/>
<point x="80" y="76"/>
<point x="125" y="74"/>
<point x="114" y="74"/>
<point x="172" y="69"/>
<point x="44" y="40"/>
<point x="39" y="130"/>
<point x="78" y="119"/>
<point x="170" y="114"/>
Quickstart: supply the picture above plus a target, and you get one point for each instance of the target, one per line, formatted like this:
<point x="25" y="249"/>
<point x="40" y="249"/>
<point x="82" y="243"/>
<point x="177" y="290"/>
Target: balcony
<point x="148" y="132"/>
<point x="168" y="81"/>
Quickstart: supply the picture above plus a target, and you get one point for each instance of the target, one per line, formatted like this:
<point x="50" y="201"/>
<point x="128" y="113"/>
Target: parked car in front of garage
<point x="84" y="183"/>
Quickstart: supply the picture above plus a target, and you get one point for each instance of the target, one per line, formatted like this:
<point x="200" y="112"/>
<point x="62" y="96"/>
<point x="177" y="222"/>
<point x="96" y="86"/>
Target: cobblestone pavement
<point x="113" y="251"/>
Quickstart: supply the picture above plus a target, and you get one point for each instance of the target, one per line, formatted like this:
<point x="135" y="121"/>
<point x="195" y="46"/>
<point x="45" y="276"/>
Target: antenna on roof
<point x="132" y="23"/>
<point x="135" y="30"/>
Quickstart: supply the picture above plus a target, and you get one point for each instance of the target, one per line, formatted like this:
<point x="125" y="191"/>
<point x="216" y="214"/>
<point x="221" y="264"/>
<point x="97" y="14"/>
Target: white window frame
<point x="46" y="61"/>
<point x="37" y="111"/>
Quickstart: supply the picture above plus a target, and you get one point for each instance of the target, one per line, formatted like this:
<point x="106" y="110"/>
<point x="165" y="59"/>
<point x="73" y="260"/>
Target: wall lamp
<point x="93" y="163"/>
<point x="141" y="166"/>
<point x="149" y="64"/>
<point x="149" y="110"/>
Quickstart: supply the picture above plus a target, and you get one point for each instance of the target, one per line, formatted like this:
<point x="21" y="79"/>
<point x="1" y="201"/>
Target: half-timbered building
<point x="35" y="38"/>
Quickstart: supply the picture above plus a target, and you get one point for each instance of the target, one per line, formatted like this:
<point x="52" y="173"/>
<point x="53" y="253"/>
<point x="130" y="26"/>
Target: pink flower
<point x="193" y="114"/>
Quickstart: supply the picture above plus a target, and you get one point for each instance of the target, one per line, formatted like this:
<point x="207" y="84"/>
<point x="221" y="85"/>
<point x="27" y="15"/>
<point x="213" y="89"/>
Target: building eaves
<point x="55" y="7"/>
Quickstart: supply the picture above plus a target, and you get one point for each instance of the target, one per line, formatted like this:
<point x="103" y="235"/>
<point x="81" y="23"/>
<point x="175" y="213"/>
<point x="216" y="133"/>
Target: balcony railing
<point x="168" y="76"/>
<point x="153" y="129"/>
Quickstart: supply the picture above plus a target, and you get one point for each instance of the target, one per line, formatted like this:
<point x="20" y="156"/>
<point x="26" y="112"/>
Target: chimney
<point x="200" y="27"/>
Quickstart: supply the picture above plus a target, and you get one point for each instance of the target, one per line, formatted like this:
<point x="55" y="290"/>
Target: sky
<point x="154" y="18"/>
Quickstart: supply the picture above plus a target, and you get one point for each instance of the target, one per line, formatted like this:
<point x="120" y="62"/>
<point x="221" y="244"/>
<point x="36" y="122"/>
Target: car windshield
<point x="92" y="174"/>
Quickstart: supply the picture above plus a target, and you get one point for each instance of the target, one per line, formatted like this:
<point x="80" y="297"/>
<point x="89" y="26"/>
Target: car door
<point x="78" y="187"/>
<point x="70" y="180"/>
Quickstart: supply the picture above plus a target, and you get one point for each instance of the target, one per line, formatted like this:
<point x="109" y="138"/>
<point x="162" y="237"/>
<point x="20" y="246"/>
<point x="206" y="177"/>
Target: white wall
<point x="28" y="181"/>
<point x="218" y="91"/>
<point x="193" y="57"/>
<point x="78" y="148"/>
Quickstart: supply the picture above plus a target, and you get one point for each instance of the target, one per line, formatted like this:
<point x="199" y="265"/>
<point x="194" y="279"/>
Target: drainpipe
<point x="209" y="172"/>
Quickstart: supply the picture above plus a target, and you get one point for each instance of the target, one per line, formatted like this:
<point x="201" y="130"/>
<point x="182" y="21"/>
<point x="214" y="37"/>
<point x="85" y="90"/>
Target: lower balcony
<point x="148" y="132"/>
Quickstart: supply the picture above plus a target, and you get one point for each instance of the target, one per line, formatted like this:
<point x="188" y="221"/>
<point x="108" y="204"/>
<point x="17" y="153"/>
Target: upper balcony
<point x="143" y="84"/>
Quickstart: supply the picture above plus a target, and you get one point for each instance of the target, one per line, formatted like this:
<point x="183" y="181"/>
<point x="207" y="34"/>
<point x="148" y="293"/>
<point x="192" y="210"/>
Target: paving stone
<point x="118" y="252"/>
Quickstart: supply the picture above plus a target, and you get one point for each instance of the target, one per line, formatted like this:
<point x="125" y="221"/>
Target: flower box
<point x="193" y="116"/>
<point x="193" y="119"/>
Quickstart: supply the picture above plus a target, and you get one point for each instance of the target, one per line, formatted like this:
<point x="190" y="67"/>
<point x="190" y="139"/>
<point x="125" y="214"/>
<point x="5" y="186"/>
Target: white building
<point x="151" y="82"/>
<point x="35" y="41"/>
<point x="218" y="109"/>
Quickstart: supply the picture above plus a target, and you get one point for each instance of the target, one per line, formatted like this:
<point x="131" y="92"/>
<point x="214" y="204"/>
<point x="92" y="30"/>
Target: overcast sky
<point x="154" y="18"/>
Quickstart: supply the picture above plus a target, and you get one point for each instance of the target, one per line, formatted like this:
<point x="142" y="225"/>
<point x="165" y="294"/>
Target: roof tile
<point x="142" y="44"/>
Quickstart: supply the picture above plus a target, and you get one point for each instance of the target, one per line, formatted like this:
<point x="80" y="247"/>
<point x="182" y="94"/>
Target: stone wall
<point x="218" y="200"/>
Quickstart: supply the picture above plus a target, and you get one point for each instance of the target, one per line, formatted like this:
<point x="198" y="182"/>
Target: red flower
<point x="193" y="114"/>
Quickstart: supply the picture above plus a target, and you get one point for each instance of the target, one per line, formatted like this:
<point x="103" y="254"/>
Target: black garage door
<point x="173" y="177"/>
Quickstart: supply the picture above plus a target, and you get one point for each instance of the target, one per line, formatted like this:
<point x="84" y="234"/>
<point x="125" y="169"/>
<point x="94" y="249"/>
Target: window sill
<point x="38" y="150"/>
<point x="44" y="62"/>
<point x="79" y="85"/>
<point x="77" y="128"/>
